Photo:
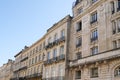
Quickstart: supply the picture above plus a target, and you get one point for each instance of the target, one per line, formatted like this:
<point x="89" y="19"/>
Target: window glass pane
<point x="78" y="74"/>
<point x="61" y="50"/>
<point x="117" y="71"/>
<point x="94" y="72"/>
<point x="54" y="52"/>
<point x="48" y="56"/>
<point x="62" y="33"/>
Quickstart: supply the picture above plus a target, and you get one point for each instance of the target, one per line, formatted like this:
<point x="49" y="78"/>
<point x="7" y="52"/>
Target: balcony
<point x="56" y="42"/>
<point x="47" y="62"/>
<point x="78" y="45"/>
<point x="62" y="39"/>
<point x="94" y="38"/>
<point x="35" y="75"/>
<point x="55" y="59"/>
<point x="23" y="68"/>
<point x="25" y="58"/>
<point x="93" y="21"/>
<point x="61" y="57"/>
<point x="103" y="56"/>
<point x="55" y="78"/>
<point x="19" y="78"/>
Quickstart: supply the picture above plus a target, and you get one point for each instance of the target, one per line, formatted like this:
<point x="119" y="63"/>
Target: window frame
<point x="117" y="72"/>
<point x="94" y="50"/>
<point x="94" y="74"/>
<point x="78" y="76"/>
<point x="94" y="17"/>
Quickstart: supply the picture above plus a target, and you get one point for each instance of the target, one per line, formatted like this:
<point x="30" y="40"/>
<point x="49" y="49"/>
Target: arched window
<point x="117" y="71"/>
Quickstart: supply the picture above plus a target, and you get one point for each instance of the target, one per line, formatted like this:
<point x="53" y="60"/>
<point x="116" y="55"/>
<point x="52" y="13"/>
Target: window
<point x="60" y="72"/>
<point x="94" y="35"/>
<point x="119" y="43"/>
<point x="117" y="71"/>
<point x="40" y="47"/>
<point x="79" y="55"/>
<point x="34" y="70"/>
<point x="61" y="50"/>
<point x="94" y="50"/>
<point x="112" y="7"/>
<point x="43" y="56"/>
<point x="33" y="50"/>
<point x="32" y="60"/>
<point x="118" y="25"/>
<point x="80" y="10"/>
<point x="114" y="27"/>
<point x="93" y="1"/>
<point x="49" y="40"/>
<point x="78" y="75"/>
<point x="79" y="26"/>
<point x="53" y="72"/>
<point x="48" y="56"/>
<point x="47" y="73"/>
<point x="36" y="49"/>
<point x="36" y="59"/>
<point x="94" y="17"/>
<point x="63" y="33"/>
<point x="114" y="44"/>
<point x="78" y="42"/>
<point x="54" y="53"/>
<point x="39" y="57"/>
<point x="43" y="44"/>
<point x="30" y="52"/>
<point x="31" y="70"/>
<point x="55" y="37"/>
<point x="94" y="72"/>
<point x="118" y="9"/>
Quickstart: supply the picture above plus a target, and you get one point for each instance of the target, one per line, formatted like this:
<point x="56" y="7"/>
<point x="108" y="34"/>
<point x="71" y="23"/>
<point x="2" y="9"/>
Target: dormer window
<point x="80" y="10"/>
<point x="77" y="1"/>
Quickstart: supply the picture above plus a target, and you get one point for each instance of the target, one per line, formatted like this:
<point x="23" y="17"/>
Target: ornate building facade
<point x="95" y="40"/>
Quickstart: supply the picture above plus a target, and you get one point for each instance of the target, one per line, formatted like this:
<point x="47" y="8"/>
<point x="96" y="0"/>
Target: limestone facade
<point x="94" y="40"/>
<point x="6" y="71"/>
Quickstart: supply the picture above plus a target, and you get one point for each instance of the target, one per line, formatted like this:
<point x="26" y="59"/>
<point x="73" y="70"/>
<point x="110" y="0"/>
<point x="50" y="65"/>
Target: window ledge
<point x="94" y="24"/>
<point x="115" y="15"/>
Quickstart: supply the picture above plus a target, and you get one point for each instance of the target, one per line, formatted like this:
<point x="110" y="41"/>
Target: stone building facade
<point x="85" y="46"/>
<point x="95" y="40"/>
<point x="56" y="50"/>
<point x="6" y="71"/>
<point x="20" y="65"/>
<point x="36" y="54"/>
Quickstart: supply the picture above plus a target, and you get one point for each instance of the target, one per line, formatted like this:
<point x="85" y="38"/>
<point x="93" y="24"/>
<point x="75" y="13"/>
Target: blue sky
<point x="22" y="22"/>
